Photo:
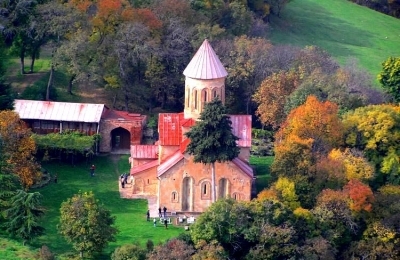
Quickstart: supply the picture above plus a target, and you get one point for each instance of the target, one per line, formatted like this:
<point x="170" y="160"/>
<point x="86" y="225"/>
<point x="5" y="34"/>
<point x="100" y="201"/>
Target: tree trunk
<point x="22" y="60"/>
<point x="81" y="254"/>
<point x="33" y="59"/>
<point x="49" y="83"/>
<point x="213" y="191"/>
<point x="71" y="79"/>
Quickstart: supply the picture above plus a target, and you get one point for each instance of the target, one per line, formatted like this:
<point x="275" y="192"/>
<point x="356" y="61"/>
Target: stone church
<point x="164" y="169"/>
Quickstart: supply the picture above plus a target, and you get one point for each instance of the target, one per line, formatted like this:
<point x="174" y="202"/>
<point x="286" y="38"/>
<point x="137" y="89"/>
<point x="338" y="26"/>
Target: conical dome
<point x="205" y="64"/>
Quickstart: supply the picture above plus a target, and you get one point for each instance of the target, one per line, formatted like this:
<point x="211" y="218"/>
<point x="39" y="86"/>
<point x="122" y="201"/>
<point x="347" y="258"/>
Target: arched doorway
<point x="120" y="139"/>
<point x="187" y="194"/>
<point x="223" y="188"/>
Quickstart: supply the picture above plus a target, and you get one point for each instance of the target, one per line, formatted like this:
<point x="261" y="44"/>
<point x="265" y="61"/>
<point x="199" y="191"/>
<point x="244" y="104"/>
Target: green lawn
<point x="340" y="27"/>
<point x="262" y="169"/>
<point x="130" y="214"/>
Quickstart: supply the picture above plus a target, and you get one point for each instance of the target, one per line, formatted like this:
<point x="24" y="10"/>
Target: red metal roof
<point x="241" y="127"/>
<point x="205" y="64"/>
<point x="169" y="128"/>
<point x="59" y="111"/>
<point x="245" y="167"/>
<point x="144" y="151"/>
<point x="143" y="167"/>
<point x="169" y="162"/>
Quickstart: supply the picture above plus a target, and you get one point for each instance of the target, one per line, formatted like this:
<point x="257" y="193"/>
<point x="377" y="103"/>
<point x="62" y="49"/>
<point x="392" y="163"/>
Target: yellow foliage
<point x="355" y="167"/>
<point x="303" y="213"/>
<point x="381" y="232"/>
<point x="390" y="190"/>
<point x="287" y="192"/>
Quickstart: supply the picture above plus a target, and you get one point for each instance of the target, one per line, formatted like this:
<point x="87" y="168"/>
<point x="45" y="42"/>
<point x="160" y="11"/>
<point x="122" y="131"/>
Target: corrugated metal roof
<point x="143" y="167"/>
<point x="58" y="111"/>
<point x="241" y="127"/>
<point x="169" y="162"/>
<point x="169" y="128"/>
<point x="205" y="64"/>
<point x="245" y="167"/>
<point x="144" y="151"/>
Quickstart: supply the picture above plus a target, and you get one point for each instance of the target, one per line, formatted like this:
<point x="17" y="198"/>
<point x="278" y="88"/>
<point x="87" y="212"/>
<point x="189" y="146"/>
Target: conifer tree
<point x="211" y="138"/>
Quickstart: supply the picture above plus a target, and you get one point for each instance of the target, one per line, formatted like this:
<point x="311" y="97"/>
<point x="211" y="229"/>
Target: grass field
<point x="130" y="214"/>
<point x="262" y="168"/>
<point x="340" y="27"/>
<point x="12" y="250"/>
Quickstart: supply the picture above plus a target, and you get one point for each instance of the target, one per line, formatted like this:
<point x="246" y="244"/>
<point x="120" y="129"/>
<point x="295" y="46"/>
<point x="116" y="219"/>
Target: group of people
<point x="160" y="215"/>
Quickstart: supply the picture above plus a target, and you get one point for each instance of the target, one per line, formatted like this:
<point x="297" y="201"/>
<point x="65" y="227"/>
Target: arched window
<point x="174" y="197"/>
<point x="215" y="94"/>
<point x="188" y="97"/>
<point x="195" y="98"/>
<point x="205" y="95"/>
<point x="205" y="190"/>
<point x="237" y="196"/>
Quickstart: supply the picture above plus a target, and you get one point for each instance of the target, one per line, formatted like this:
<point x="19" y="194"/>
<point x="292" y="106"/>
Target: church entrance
<point x="187" y="194"/>
<point x="120" y="139"/>
<point x="223" y="188"/>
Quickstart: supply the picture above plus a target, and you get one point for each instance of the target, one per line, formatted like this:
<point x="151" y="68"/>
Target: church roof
<point x="245" y="167"/>
<point x="205" y="64"/>
<point x="169" y="162"/>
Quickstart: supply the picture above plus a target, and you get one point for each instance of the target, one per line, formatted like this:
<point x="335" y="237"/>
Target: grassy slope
<point x="340" y="27"/>
<point x="130" y="214"/>
<point x="262" y="168"/>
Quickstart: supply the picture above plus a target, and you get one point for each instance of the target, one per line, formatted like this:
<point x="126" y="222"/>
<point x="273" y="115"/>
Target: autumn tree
<point x="19" y="149"/>
<point x="360" y="194"/>
<point x="356" y="166"/>
<point x="22" y="217"/>
<point x="173" y="249"/>
<point x="389" y="77"/>
<point x="375" y="131"/>
<point x="244" y="61"/>
<point x="309" y="133"/>
<point x="129" y="251"/>
<point x="271" y="96"/>
<point x="211" y="138"/>
<point x="86" y="224"/>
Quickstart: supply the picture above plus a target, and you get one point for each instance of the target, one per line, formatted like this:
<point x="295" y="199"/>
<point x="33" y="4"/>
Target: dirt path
<point x="126" y="192"/>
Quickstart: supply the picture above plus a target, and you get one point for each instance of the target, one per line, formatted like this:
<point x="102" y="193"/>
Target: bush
<point x="45" y="253"/>
<point x="129" y="252"/>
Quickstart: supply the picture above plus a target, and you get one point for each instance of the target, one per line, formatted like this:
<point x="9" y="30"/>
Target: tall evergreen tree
<point x="23" y="215"/>
<point x="211" y="138"/>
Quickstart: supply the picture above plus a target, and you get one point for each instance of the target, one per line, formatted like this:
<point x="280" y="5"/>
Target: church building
<point x="167" y="172"/>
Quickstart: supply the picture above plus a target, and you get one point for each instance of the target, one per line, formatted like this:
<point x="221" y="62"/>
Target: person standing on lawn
<point x="92" y="168"/>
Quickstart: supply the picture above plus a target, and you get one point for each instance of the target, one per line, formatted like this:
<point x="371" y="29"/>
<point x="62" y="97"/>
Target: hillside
<point x="340" y="27"/>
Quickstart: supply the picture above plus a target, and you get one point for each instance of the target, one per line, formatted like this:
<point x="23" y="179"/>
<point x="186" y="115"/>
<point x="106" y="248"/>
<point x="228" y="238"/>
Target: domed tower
<point x="205" y="80"/>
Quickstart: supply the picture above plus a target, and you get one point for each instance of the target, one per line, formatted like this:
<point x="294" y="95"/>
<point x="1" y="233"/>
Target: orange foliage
<point x="316" y="120"/>
<point x="81" y="5"/>
<point x="20" y="148"/>
<point x="267" y="194"/>
<point x="360" y="194"/>
<point x="147" y="17"/>
<point x="107" y="8"/>
<point x="329" y="196"/>
<point x="271" y="96"/>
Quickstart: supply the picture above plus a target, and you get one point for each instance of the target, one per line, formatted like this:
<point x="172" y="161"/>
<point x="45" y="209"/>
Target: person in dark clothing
<point x="166" y="223"/>
<point x="159" y="212"/>
<point x="165" y="211"/>
<point x="55" y="178"/>
<point x="122" y="183"/>
<point x="92" y="168"/>
<point x="148" y="215"/>
<point x="126" y="178"/>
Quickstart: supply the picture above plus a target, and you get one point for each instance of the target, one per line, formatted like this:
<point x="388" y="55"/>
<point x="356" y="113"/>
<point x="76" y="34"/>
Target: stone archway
<point x="223" y="188"/>
<point x="120" y="139"/>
